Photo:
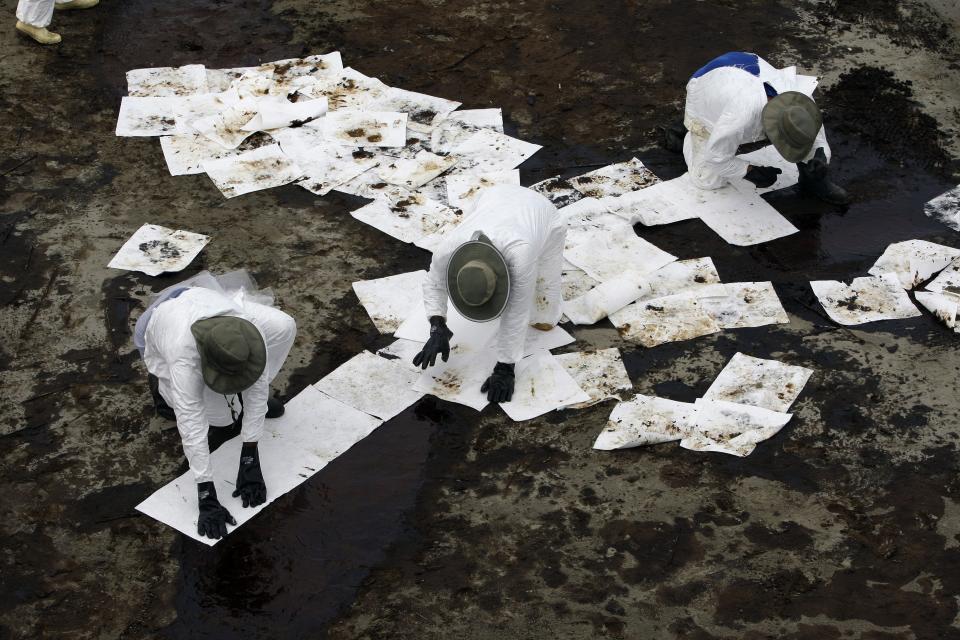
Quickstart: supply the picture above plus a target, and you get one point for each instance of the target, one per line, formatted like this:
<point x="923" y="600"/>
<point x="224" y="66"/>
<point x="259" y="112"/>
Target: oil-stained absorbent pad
<point x="662" y="320"/>
<point x="557" y="190"/>
<point x="600" y="374"/>
<point x="389" y="301"/>
<point x="293" y="73"/>
<point x="591" y="212"/>
<point x="943" y="306"/>
<point x="408" y="219"/>
<point x="261" y="168"/>
<point x="366" y="128"/>
<point x="660" y="203"/>
<point x="611" y="295"/>
<point x="463" y="188"/>
<point x="913" y="261"/>
<point x="746" y="304"/>
<point x="769" y="157"/>
<point x="740" y="218"/>
<point x="378" y="386"/>
<point x="147" y="117"/>
<point x="451" y="130"/>
<point x="226" y="128"/>
<point x="350" y="90"/>
<point x="866" y="299"/>
<point x="416" y="171"/>
<point x="153" y="250"/>
<point x="460" y="378"/>
<point x="422" y="110"/>
<point x="615" y="179"/>
<point x="696" y="277"/>
<point x="402" y="352"/>
<point x="575" y="283"/>
<point x="769" y="384"/>
<point x="541" y="385"/>
<point x="324" y="165"/>
<point x="160" y="82"/>
<point x="726" y="427"/>
<point x="185" y="154"/>
<point x="487" y="151"/>
<point x="606" y="253"/>
<point x="945" y="208"/>
<point x="189" y="109"/>
<point x="644" y="420"/>
<point x="275" y="114"/>
<point x="313" y="431"/>
<point x="948" y="281"/>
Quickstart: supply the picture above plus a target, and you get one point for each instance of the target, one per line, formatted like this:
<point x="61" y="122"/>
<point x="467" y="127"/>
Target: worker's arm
<point x="547" y="298"/>
<point x="716" y="162"/>
<point x="186" y="386"/>
<point x="435" y="284"/>
<point x="255" y="408"/>
<point x="516" y="316"/>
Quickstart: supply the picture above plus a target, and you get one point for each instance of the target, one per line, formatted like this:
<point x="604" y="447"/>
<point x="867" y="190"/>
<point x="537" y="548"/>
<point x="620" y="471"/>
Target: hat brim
<point x="226" y="383"/>
<point x="487" y="253"/>
<point x="772" y="118"/>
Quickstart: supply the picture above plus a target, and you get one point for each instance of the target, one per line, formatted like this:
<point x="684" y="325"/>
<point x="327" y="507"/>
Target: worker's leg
<point x="548" y="299"/>
<point x="33" y="18"/>
<point x="67" y="5"/>
<point x="815" y="174"/>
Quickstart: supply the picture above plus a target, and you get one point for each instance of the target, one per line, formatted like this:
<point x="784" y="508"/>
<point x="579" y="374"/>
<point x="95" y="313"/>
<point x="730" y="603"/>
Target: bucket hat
<point x="478" y="280"/>
<point x="792" y="121"/>
<point x="232" y="353"/>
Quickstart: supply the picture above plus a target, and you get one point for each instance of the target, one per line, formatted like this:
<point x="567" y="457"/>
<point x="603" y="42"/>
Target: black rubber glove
<point x="762" y="177"/>
<point x="816" y="167"/>
<point x="438" y="343"/>
<point x="250" y="485"/>
<point x="499" y="386"/>
<point x="213" y="519"/>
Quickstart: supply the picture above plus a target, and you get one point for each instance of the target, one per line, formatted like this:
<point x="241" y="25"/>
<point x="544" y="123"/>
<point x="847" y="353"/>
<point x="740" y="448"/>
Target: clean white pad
<point x="913" y="261"/>
<point x="153" y="250"/>
<point x="606" y="298"/>
<point x="261" y="168"/>
<point x="769" y="384"/>
<point x="615" y="180"/>
<point x="742" y="219"/>
<point x="731" y="428"/>
<point x="605" y="254"/>
<point x="389" y="301"/>
<point x="366" y="128"/>
<point x="378" y="386"/>
<point x="945" y="208"/>
<point x="866" y="299"/>
<point x="312" y="432"/>
<point x="541" y="386"/>
<point x="599" y="373"/>
<point x="147" y="117"/>
<point x="746" y="304"/>
<point x="644" y="420"/>
<point x="167" y="81"/>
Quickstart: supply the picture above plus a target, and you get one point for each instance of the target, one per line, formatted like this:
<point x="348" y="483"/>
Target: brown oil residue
<point x="357" y="132"/>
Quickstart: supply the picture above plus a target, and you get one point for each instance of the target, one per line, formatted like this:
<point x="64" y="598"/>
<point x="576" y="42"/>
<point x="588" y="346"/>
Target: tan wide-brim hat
<point x="232" y="353"/>
<point x="792" y="121"/>
<point x="478" y="280"/>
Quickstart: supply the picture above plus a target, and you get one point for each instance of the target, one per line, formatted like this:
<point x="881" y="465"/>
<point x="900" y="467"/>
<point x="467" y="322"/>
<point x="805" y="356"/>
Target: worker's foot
<point x="160" y="405"/>
<point x="40" y="34"/>
<point x="275" y="408"/>
<point x="76" y="4"/>
<point x="673" y="135"/>
<point x="823" y="189"/>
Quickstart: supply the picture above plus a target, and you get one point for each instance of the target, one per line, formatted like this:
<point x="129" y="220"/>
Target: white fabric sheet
<point x="390" y="300"/>
<point x="275" y="114"/>
<point x="615" y="180"/>
<point x="948" y="281"/>
<point x="357" y="128"/>
<point x="460" y="379"/>
<point x="167" y="81"/>
<point x="742" y="219"/>
<point x="464" y="188"/>
<point x="146" y="117"/>
<point x="746" y="304"/>
<point x="314" y="430"/>
<point x="605" y="255"/>
<point x="769" y="384"/>
<point x="153" y="250"/>
<point x="226" y="127"/>
<point x="735" y="429"/>
<point x="349" y="90"/>
<point x="943" y="306"/>
<point x="557" y="190"/>
<point x="255" y="170"/>
<point x="662" y="320"/>
<point x="945" y="208"/>
<point x="403" y="352"/>
<point x="645" y="420"/>
<point x="408" y="219"/>
<point x="866" y="299"/>
<point x="542" y="385"/>
<point x="450" y="131"/>
<point x="325" y="165"/>
<point x="416" y="171"/>
<point x="606" y="298"/>
<point x="422" y="110"/>
<point x="487" y="151"/>
<point x="185" y="154"/>
<point x="914" y="261"/>
<point x="600" y="374"/>
<point x="377" y="386"/>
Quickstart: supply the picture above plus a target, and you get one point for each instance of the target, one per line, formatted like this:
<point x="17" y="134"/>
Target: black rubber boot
<point x="815" y="181"/>
<point x="160" y="405"/>
<point x="275" y="408"/>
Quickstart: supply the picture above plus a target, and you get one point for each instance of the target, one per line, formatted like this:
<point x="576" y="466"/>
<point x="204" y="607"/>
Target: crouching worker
<point x="503" y="261"/>
<point x="739" y="98"/>
<point x="211" y="359"/>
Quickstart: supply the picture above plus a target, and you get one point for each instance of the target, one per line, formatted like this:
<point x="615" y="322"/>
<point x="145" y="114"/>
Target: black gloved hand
<point x="250" y="485"/>
<point x="499" y="386"/>
<point x="213" y="519"/>
<point x="438" y="343"/>
<point x="762" y="177"/>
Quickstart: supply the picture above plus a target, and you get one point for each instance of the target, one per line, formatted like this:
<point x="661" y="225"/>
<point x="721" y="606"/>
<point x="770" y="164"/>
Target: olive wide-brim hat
<point x="792" y="121"/>
<point x="478" y="280"/>
<point x="232" y="353"/>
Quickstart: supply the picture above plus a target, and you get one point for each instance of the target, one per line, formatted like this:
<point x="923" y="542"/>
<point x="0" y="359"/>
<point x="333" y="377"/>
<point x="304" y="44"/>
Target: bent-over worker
<point x="34" y="16"/>
<point x="739" y="98"/>
<point x="503" y="261"/>
<point x="211" y="359"/>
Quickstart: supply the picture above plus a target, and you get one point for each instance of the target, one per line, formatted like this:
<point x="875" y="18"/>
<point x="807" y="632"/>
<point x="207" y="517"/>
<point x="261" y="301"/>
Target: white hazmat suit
<point x="37" y="13"/>
<point x="724" y="105"/>
<point x="525" y="228"/>
<point x="170" y="353"/>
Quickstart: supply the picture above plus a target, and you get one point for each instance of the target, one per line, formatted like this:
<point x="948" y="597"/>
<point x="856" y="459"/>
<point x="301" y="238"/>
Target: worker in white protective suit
<point x="739" y="98"/>
<point x="34" y="16"/>
<point x="211" y="358"/>
<point x="503" y="261"/>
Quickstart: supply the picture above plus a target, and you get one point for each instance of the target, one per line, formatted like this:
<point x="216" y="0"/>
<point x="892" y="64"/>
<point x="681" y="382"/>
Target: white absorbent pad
<point x="487" y="151"/>
<point x="945" y="208"/>
<point x="769" y="384"/>
<point x="865" y="299"/>
<point x="276" y="114"/>
<point x="557" y="190"/>
<point x="153" y="250"/>
<point x="358" y="128"/>
<point x="746" y="304"/>
<point x="408" y="218"/>
<point x="606" y="253"/>
<point x="943" y="306"/>
<point x="615" y="180"/>
<point x="769" y="157"/>
<point x="600" y="374"/>
<point x="147" y="116"/>
<point x="644" y="420"/>
<point x="159" y="82"/>
<point x="463" y="189"/>
<point x="422" y="110"/>
<point x="661" y="320"/>
<point x="450" y="131"/>
<point x="390" y="300"/>
<point x="255" y="170"/>
<point x="377" y="386"/>
<point x="314" y="430"/>
<point x="914" y="261"/>
<point x="735" y="429"/>
<point x="414" y="172"/>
